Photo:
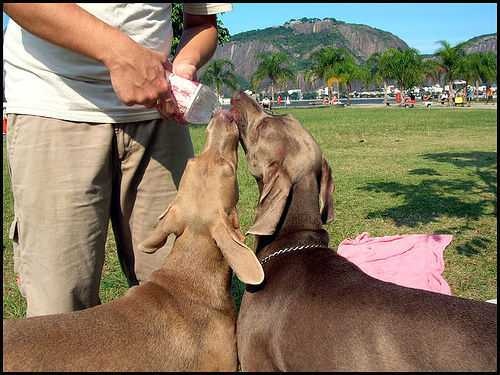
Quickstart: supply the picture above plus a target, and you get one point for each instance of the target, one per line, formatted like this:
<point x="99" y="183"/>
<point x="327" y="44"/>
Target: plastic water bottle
<point x="196" y="101"/>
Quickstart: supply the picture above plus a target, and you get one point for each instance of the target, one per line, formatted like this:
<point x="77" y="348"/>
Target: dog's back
<point x="138" y="332"/>
<point x="320" y="312"/>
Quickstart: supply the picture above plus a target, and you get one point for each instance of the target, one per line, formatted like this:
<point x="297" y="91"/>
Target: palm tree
<point x="323" y="62"/>
<point x="348" y="71"/>
<point x="220" y="73"/>
<point x="334" y="66"/>
<point x="432" y="71"/>
<point x="271" y="66"/>
<point x="403" y="66"/>
<point x="449" y="60"/>
<point x="477" y="67"/>
<point x="375" y="72"/>
<point x="468" y="68"/>
<point x="488" y="70"/>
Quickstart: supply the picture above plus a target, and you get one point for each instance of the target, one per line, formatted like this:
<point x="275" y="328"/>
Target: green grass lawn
<point x="396" y="171"/>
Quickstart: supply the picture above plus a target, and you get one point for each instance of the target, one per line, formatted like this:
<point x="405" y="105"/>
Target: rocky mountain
<point x="482" y="43"/>
<point x="300" y="38"/>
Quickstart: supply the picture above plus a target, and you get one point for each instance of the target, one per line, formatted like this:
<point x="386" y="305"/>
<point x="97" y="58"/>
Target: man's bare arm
<point x="137" y="73"/>
<point x="197" y="44"/>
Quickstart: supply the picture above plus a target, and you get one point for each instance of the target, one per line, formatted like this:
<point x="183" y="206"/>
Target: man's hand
<point x="138" y="75"/>
<point x="185" y="69"/>
<point x="168" y="106"/>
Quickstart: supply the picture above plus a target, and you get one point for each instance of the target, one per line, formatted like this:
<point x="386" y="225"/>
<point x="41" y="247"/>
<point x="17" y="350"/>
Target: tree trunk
<point x="450" y="86"/>
<point x="272" y="93"/>
<point x="465" y="94"/>
<point x="385" y="92"/>
<point x="476" y="93"/>
<point x="348" y="91"/>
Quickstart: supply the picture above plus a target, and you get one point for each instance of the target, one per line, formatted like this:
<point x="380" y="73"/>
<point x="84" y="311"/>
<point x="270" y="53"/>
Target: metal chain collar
<point x="289" y="250"/>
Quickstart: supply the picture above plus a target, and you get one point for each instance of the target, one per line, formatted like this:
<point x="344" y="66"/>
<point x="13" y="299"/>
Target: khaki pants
<point x="69" y="179"/>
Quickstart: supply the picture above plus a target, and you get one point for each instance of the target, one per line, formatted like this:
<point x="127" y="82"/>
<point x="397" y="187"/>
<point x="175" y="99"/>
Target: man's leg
<point x="61" y="182"/>
<point x="152" y="156"/>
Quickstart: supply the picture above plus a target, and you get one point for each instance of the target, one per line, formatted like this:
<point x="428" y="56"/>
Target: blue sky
<point x="420" y="25"/>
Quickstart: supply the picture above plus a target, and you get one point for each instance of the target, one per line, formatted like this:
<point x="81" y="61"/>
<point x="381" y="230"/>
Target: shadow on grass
<point x="427" y="201"/>
<point x="481" y="164"/>
<point x="425" y="172"/>
<point x="433" y="197"/>
<point x="473" y="246"/>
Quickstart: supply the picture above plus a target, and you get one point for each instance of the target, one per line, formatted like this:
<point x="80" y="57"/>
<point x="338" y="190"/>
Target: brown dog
<point x="317" y="311"/>
<point x="183" y="318"/>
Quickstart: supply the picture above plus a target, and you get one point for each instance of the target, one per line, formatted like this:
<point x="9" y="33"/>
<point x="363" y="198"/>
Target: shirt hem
<point x="84" y="117"/>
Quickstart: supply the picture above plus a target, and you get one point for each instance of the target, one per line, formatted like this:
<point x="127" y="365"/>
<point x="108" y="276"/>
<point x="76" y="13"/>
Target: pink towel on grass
<point x="414" y="260"/>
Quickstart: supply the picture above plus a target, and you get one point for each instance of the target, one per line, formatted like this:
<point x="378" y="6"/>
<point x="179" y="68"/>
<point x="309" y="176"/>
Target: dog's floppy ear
<point x="240" y="258"/>
<point x="276" y="187"/>
<point x="169" y="222"/>
<point x="327" y="187"/>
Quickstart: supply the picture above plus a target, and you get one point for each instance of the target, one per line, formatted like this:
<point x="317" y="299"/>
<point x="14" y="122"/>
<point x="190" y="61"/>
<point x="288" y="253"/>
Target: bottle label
<point x="185" y="91"/>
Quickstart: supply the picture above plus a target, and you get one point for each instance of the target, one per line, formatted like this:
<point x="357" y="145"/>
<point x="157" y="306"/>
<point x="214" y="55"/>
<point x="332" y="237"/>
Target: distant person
<point x="280" y="100"/>
<point x="470" y="95"/>
<point x="287" y="101"/>
<point x="398" y="97"/>
<point x="459" y="98"/>
<point x="451" y="97"/>
<point x="444" y="97"/>
<point x="489" y="94"/>
<point x="266" y="103"/>
<point x="427" y="100"/>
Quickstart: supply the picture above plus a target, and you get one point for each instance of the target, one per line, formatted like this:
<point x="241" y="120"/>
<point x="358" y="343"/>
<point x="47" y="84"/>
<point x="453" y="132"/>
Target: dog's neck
<point x="300" y="222"/>
<point x="195" y="267"/>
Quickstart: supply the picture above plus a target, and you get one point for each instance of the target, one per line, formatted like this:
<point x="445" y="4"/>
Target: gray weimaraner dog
<point x="316" y="311"/>
<point x="181" y="319"/>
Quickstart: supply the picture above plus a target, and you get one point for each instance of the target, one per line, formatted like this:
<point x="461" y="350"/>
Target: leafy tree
<point x="272" y="66"/>
<point x="220" y="73"/>
<point x="405" y="67"/>
<point x="378" y="68"/>
<point x="432" y="70"/>
<point x="488" y="67"/>
<point x="347" y="71"/>
<point x="333" y="65"/>
<point x="449" y="59"/>
<point x="223" y="35"/>
<point x="374" y="72"/>
<point x="477" y="67"/>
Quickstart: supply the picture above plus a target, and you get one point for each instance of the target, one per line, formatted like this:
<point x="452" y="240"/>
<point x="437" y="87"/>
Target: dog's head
<point x="206" y="201"/>
<point x="280" y="152"/>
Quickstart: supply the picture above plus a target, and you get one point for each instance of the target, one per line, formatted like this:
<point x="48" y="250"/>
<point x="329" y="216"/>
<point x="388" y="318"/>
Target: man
<point x="470" y="95"/>
<point x="86" y="143"/>
<point x="489" y="94"/>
